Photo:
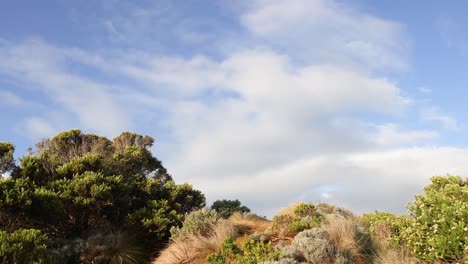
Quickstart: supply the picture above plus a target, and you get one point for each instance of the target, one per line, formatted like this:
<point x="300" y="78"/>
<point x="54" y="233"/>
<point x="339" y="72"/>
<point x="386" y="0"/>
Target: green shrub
<point x="304" y="217"/>
<point x="251" y="252"/>
<point x="226" y="208"/>
<point x="440" y="227"/>
<point x="196" y="222"/>
<point x="23" y="246"/>
<point x="387" y="227"/>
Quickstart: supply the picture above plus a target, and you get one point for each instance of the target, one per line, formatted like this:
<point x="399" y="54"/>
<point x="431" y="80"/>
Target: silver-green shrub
<point x="196" y="222"/>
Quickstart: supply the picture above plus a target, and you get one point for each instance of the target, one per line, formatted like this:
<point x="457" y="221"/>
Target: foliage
<point x="23" y="246"/>
<point x="7" y="161"/>
<point x="251" y="252"/>
<point x="440" y="227"/>
<point x="112" y="249"/>
<point x="304" y="217"/>
<point x="387" y="227"/>
<point x="196" y="222"/>
<point x="76" y="187"/>
<point x="226" y="208"/>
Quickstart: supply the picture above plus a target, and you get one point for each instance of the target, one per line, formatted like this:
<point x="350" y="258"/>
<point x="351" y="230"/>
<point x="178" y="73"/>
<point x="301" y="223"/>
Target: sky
<point x="354" y="103"/>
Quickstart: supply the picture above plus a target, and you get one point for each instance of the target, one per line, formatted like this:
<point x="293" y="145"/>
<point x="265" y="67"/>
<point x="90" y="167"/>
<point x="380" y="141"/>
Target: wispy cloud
<point x="435" y="114"/>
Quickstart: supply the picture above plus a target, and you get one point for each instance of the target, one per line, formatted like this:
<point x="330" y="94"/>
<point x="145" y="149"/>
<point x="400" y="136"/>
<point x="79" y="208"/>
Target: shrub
<point x="440" y="227"/>
<point x="303" y="217"/>
<point x="387" y="227"/>
<point x="315" y="246"/>
<point x="226" y="208"/>
<point x="200" y="222"/>
<point x="251" y="252"/>
<point x="23" y="246"/>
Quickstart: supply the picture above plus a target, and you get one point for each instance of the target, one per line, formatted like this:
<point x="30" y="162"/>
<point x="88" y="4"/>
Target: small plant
<point x="303" y="218"/>
<point x="196" y="222"/>
<point x="251" y="252"/>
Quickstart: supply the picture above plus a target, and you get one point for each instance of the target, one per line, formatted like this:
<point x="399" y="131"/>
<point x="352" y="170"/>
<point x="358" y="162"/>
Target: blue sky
<point x="355" y="103"/>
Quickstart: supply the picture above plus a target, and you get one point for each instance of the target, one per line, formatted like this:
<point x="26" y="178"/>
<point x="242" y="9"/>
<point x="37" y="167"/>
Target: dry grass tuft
<point x="392" y="256"/>
<point x="348" y="238"/>
<point x="249" y="223"/>
<point x="196" y="247"/>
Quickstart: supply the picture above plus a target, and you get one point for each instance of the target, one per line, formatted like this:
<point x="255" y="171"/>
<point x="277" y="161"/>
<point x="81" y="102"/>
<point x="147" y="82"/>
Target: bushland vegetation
<point x="83" y="198"/>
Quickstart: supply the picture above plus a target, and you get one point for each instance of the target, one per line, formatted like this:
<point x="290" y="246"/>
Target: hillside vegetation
<point x="82" y="198"/>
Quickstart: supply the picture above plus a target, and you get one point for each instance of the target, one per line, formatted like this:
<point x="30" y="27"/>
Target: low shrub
<point x="23" y="246"/>
<point x="251" y="252"/>
<point x="196" y="222"/>
<point x="303" y="217"/>
<point x="386" y="227"/>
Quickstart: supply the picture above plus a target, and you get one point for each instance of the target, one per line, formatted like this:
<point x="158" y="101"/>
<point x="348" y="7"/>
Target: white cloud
<point x="36" y="128"/>
<point x="330" y="32"/>
<point x="435" y="114"/>
<point x="8" y="98"/>
<point x="42" y="67"/>
<point x="366" y="181"/>
<point x="392" y="134"/>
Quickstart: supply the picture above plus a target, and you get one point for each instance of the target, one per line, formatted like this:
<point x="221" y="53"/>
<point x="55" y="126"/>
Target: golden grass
<point x="196" y="247"/>
<point x="344" y="234"/>
<point x="392" y="256"/>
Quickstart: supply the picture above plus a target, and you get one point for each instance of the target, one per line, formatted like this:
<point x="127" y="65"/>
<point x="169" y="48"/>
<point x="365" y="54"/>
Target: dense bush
<point x="387" y="227"/>
<point x="251" y="252"/>
<point x="226" y="208"/>
<point x="23" y="246"/>
<point x="77" y="188"/>
<point x="439" y="230"/>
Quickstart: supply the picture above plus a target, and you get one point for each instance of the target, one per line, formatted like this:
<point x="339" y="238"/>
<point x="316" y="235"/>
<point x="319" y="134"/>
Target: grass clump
<point x="199" y="221"/>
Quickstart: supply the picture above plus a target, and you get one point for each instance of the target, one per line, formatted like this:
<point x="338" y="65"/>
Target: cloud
<point x="43" y="68"/>
<point x="391" y="134"/>
<point x="330" y="32"/>
<point x="366" y="181"/>
<point x="435" y="114"/>
<point x="36" y="128"/>
<point x="11" y="99"/>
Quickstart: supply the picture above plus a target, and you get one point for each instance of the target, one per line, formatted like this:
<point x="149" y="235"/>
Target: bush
<point x="23" y="246"/>
<point x="314" y="245"/>
<point x="74" y="185"/>
<point x="440" y="227"/>
<point x="387" y="227"/>
<point x="304" y="217"/>
<point x="196" y="222"/>
<point x="226" y="208"/>
<point x="252" y="252"/>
